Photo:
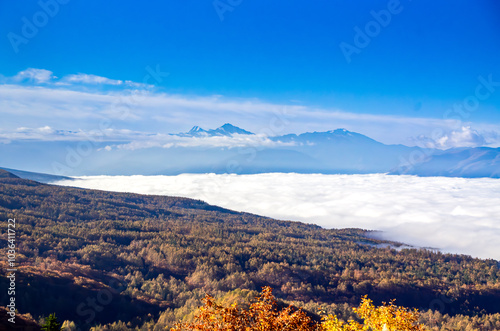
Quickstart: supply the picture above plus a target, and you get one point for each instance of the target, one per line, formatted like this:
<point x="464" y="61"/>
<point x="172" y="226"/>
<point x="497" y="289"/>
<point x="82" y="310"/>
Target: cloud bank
<point x="463" y="137"/>
<point x="133" y="140"/>
<point x="37" y="76"/>
<point x="455" y="215"/>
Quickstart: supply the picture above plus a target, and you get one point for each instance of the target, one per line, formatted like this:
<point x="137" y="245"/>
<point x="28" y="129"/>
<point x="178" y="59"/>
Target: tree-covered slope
<point x="97" y="257"/>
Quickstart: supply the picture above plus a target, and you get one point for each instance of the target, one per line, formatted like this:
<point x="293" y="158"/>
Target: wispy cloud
<point x="464" y="137"/>
<point x="33" y="75"/>
<point x="455" y="214"/>
<point x="234" y="141"/>
<point x="99" y="80"/>
<point x="91" y="79"/>
<point x="45" y="77"/>
<point x="134" y="140"/>
<point x="47" y="133"/>
<point x="64" y="105"/>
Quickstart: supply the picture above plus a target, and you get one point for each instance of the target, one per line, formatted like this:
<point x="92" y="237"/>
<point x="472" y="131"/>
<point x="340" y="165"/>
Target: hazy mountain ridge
<point x="7" y="174"/>
<point x="346" y="152"/>
<point x="458" y="162"/>
<point x="227" y="130"/>
<point x="39" y="177"/>
<point x="230" y="149"/>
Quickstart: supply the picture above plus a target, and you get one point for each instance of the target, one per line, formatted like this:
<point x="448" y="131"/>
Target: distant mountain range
<point x="457" y="162"/>
<point x="225" y="130"/>
<point x="332" y="152"/>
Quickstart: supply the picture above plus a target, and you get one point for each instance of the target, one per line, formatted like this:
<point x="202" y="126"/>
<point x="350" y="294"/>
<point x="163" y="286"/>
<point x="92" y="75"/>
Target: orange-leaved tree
<point x="263" y="315"/>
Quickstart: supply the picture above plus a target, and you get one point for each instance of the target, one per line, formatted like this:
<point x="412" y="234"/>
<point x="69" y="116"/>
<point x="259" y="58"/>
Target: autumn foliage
<point x="163" y="253"/>
<point x="263" y="315"/>
<point x="387" y="317"/>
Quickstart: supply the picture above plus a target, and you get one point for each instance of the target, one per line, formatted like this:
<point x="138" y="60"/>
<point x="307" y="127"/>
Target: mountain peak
<point x="338" y="136"/>
<point x="340" y="131"/>
<point x="225" y="130"/>
<point x="228" y="126"/>
<point x="229" y="129"/>
<point x="196" y="129"/>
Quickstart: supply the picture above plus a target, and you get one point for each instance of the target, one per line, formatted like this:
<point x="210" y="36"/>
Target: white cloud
<point x="46" y="78"/>
<point x="91" y="79"/>
<point x="80" y="101"/>
<point x="42" y="104"/>
<point x="28" y="133"/>
<point x="492" y="138"/>
<point x="134" y="140"/>
<point x="150" y="111"/>
<point x="33" y="75"/>
<point x="46" y="133"/>
<point x="87" y="79"/>
<point x="453" y="214"/>
<point x="234" y="141"/>
<point x="464" y="137"/>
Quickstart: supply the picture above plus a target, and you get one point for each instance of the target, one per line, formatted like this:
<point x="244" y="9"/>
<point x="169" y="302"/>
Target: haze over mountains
<point x="230" y="149"/>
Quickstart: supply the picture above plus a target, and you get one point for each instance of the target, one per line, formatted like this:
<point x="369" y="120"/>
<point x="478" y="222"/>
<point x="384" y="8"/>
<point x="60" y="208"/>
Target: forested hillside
<point x="130" y="260"/>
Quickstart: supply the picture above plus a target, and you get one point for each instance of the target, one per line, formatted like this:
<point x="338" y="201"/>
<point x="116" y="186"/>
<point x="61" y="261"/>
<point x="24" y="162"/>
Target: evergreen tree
<point x="51" y="324"/>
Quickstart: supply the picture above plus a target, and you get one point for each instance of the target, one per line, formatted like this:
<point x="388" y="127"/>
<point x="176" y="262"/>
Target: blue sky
<point x="233" y="61"/>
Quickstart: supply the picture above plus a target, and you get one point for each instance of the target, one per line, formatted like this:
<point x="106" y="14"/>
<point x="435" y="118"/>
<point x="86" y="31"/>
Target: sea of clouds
<point x="456" y="215"/>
